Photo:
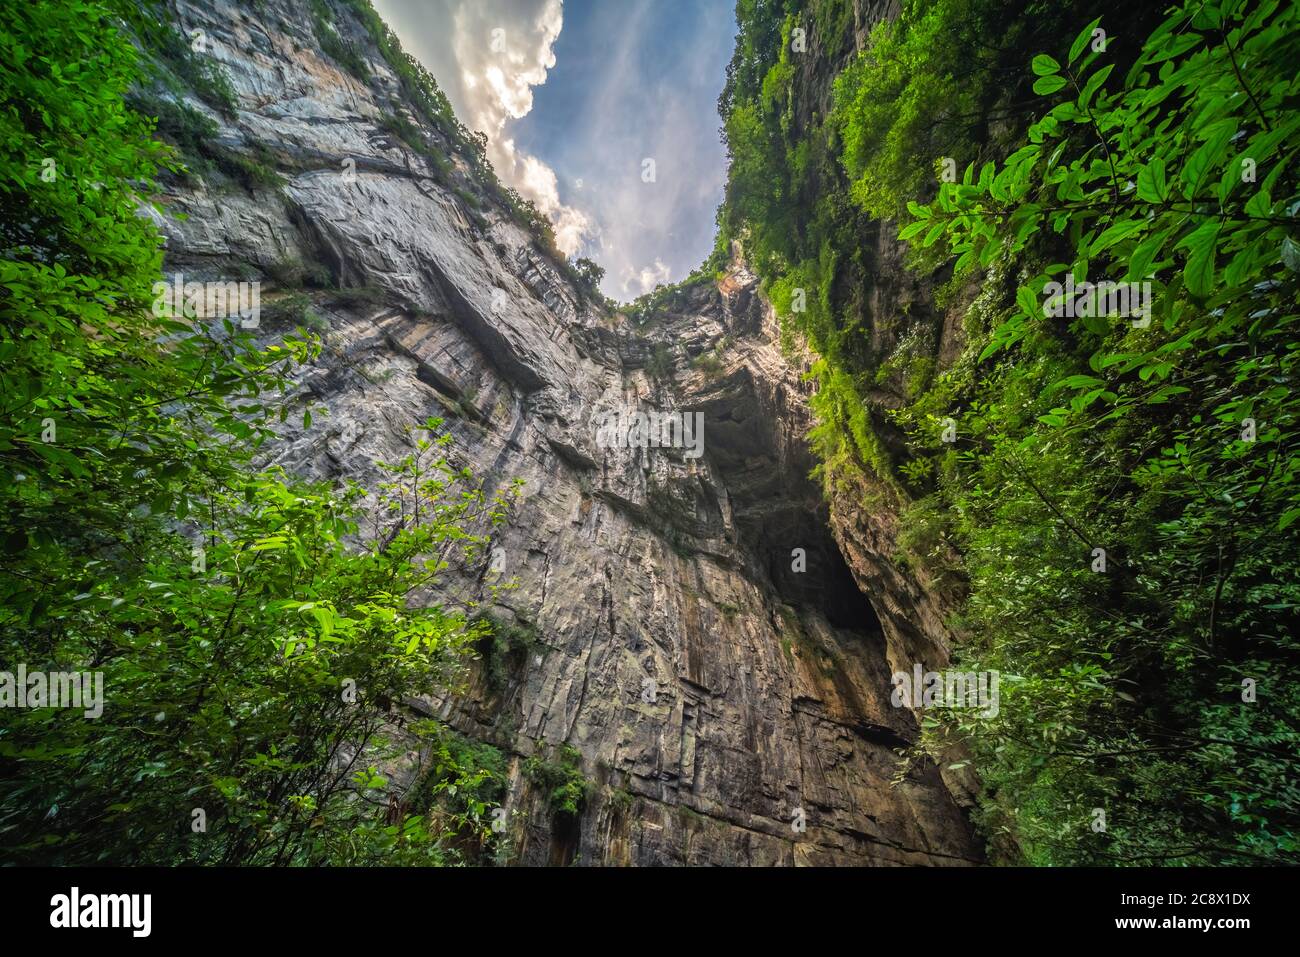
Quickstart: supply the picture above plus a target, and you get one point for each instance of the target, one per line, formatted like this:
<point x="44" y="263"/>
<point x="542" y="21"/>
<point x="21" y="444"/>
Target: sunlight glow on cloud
<point x="645" y="279"/>
<point x="636" y="80"/>
<point x="497" y="50"/>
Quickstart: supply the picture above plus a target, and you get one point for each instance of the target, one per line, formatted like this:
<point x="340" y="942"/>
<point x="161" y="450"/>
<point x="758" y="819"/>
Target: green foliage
<point x="293" y="272"/>
<point x="1122" y="690"/>
<point x="925" y="89"/>
<point x="506" y="649"/>
<point x="342" y="51"/>
<point x="561" y="777"/>
<point x="709" y="364"/>
<point x="175" y="121"/>
<point x="805" y="192"/>
<point x="229" y="687"/>
<point x="173" y="62"/>
<point x="413" y="137"/>
<point x="461" y="783"/>
<point x="787" y="202"/>
<point x="589" y="276"/>
<point x="253" y="165"/>
<point x="360" y="296"/>
<point x="294" y="310"/>
<point x="1108" y="431"/>
<point x="252" y="642"/>
<point x="418" y="87"/>
<point x="668" y="298"/>
<point x="620" y="801"/>
<point x="659" y="364"/>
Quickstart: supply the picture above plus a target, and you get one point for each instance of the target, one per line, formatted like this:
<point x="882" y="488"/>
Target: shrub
<point x="562" y="779"/>
<point x="659" y="364"/>
<point x="332" y="44"/>
<point x="253" y="167"/>
<point x="709" y="364"/>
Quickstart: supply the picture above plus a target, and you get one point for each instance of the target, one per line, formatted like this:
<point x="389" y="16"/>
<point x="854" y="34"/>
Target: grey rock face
<point x="727" y="708"/>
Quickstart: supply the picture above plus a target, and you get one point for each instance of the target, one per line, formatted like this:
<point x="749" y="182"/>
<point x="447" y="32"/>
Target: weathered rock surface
<point x="638" y="568"/>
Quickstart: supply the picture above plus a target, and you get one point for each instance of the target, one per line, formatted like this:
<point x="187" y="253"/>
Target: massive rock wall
<point x="635" y="568"/>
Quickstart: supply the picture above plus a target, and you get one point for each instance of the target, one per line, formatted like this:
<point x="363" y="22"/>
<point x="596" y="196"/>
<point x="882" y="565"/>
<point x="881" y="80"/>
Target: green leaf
<point x="1028" y="302"/>
<point x="1074" y="383"/>
<point x="1048" y="84"/>
<point x="1212" y="152"/>
<point x="1081" y="41"/>
<point x="1151" y="184"/>
<point x="1139" y="263"/>
<point x="1044" y="65"/>
<point x="1198" y="273"/>
<point x="912" y="229"/>
<point x="1260" y="204"/>
<point x="1291" y="254"/>
<point x="1094" y="84"/>
<point x="1116" y="233"/>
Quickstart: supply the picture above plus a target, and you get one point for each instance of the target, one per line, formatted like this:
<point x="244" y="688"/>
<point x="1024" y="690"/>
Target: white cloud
<point x="497" y="51"/>
<point x="648" y="81"/>
<point x="637" y="282"/>
<point x="539" y="184"/>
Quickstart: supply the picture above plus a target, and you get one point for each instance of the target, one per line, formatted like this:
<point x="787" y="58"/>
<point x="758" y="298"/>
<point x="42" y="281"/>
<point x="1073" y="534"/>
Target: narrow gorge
<point x="627" y="565"/>
<point x="944" y="514"/>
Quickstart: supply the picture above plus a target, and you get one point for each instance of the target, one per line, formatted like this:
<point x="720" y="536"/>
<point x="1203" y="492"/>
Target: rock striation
<point x="727" y="708"/>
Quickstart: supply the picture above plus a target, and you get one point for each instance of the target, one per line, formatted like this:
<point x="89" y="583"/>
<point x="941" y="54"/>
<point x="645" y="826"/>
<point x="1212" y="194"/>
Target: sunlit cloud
<point x="636" y="282"/>
<point x="495" y="53"/>
<point x="574" y="101"/>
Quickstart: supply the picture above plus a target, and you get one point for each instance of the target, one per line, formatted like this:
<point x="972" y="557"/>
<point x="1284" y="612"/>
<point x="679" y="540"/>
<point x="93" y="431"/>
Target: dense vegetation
<point x="254" y="632"/>
<point x="1011" y="146"/>
<point x="1114" y="497"/>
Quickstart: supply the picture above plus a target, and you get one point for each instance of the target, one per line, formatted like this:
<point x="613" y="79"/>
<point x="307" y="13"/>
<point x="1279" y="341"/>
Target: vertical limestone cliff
<point x="634" y="568"/>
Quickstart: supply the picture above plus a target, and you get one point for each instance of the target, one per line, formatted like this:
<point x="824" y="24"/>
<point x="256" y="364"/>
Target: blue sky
<point x="575" y="98"/>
